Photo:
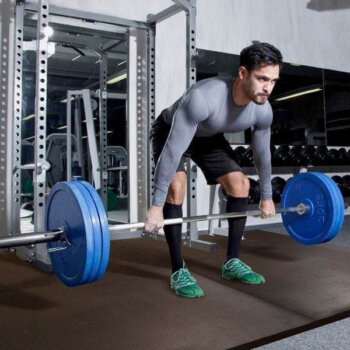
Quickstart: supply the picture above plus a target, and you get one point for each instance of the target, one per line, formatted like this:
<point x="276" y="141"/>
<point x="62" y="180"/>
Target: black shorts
<point x="213" y="155"/>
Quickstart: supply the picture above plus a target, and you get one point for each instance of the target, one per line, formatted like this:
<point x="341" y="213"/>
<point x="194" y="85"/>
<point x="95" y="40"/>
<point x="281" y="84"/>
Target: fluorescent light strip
<point x="298" y="94"/>
<point x="75" y="58"/>
<point x="29" y="116"/>
<point x="65" y="100"/>
<point x="84" y="121"/>
<point x="29" y="138"/>
<point x="117" y="79"/>
<point x="62" y="127"/>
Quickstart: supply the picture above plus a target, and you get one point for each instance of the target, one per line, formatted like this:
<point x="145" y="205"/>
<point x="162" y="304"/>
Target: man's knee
<point x="235" y="184"/>
<point x="177" y="188"/>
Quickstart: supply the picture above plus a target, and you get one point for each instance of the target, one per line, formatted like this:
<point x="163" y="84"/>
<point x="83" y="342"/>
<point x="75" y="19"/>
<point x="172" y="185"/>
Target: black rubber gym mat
<point x="132" y="306"/>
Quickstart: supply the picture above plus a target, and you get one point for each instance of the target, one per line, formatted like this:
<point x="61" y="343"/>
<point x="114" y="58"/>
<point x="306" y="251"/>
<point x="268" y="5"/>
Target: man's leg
<point x="236" y="225"/>
<point x="181" y="280"/>
<point x="236" y="185"/>
<point x="173" y="209"/>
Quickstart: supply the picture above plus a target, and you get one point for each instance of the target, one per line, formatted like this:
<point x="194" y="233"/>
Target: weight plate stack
<point x="66" y="208"/>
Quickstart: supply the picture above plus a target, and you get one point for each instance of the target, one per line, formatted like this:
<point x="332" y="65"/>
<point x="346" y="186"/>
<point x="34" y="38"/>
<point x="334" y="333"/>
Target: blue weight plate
<point x="325" y="217"/>
<point x="97" y="236"/>
<point x="66" y="208"/>
<point x="338" y="204"/>
<point x="104" y="228"/>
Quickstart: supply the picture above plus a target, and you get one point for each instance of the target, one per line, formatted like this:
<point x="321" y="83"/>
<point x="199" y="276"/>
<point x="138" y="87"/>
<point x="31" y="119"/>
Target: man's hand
<point x="154" y="219"/>
<point x="267" y="207"/>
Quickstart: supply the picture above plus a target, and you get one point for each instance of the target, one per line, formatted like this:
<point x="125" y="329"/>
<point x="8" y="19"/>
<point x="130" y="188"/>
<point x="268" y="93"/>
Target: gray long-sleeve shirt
<point x="206" y="109"/>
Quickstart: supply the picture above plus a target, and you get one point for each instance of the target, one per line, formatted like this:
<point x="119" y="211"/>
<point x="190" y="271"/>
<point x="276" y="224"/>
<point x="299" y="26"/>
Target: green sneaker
<point x="236" y="269"/>
<point x="184" y="284"/>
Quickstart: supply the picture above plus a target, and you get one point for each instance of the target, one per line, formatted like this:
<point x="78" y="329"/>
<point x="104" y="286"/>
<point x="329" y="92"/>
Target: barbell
<point x="78" y="233"/>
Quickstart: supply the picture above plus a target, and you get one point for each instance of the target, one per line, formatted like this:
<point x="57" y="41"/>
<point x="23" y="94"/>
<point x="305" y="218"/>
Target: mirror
<point x="337" y="107"/>
<point x="77" y="51"/>
<point x="298" y="107"/>
<point x="311" y="105"/>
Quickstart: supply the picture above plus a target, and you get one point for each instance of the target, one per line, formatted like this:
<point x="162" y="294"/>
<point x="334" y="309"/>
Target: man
<point x="194" y="126"/>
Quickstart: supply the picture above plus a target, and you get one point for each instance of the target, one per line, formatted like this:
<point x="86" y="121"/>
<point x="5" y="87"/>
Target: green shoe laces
<point x="185" y="285"/>
<point x="237" y="267"/>
<point x="182" y="278"/>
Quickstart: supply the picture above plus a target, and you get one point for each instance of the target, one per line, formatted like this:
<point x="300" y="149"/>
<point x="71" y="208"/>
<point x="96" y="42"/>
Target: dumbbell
<point x="277" y="184"/>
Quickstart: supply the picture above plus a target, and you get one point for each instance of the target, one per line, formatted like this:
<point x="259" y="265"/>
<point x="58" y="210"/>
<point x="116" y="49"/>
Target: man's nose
<point x="268" y="87"/>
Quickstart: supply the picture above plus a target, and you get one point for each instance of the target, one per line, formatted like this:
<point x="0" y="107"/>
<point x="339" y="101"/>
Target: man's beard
<point x="256" y="101"/>
<point x="253" y="96"/>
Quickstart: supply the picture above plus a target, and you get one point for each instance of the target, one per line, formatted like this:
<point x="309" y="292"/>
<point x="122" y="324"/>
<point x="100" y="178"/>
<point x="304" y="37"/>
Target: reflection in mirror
<point x="311" y="105"/>
<point x="297" y="103"/>
<point x="76" y="53"/>
<point x="337" y="105"/>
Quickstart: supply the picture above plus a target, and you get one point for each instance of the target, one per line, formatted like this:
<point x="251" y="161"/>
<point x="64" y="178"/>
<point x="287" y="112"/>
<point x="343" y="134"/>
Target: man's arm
<point x="262" y="161"/>
<point x="186" y="119"/>
<point x="184" y="126"/>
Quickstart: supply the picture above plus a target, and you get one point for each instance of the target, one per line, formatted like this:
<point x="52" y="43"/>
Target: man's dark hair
<point x="259" y="54"/>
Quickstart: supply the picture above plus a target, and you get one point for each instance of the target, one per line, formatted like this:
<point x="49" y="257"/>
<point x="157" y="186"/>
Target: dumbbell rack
<point x="285" y="172"/>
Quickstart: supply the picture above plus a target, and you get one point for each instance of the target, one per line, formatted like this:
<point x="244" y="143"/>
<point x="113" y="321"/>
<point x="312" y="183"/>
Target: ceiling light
<point x="48" y="31"/>
<point x="75" y="58"/>
<point x="65" y="100"/>
<point x="297" y="94"/>
<point x="84" y="121"/>
<point x="29" y="138"/>
<point x="117" y="79"/>
<point x="29" y="116"/>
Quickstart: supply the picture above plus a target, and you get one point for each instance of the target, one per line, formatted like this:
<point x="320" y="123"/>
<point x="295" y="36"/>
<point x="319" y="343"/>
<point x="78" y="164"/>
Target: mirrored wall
<point x="311" y="105"/>
<point x="77" y="50"/>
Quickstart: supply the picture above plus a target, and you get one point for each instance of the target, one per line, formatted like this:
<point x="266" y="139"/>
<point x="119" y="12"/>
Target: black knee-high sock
<point x="235" y="225"/>
<point x="173" y="235"/>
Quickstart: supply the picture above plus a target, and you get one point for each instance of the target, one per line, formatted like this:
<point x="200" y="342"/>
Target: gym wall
<point x="308" y="32"/>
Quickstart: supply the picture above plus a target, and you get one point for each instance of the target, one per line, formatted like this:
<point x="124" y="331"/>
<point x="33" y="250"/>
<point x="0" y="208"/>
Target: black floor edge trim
<point x="291" y="332"/>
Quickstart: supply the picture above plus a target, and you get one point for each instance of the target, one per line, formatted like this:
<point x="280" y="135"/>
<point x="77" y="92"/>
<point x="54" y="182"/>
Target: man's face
<point x="259" y="83"/>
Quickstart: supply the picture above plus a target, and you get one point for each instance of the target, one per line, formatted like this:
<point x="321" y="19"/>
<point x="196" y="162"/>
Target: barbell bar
<point x="17" y="240"/>
<point x="300" y="209"/>
<point x="78" y="235"/>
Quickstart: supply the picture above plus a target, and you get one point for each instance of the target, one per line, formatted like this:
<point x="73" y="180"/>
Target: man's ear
<point x="242" y="72"/>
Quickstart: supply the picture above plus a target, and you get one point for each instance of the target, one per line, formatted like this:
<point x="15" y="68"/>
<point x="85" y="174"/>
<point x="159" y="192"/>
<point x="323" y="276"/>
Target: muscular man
<point x="194" y="127"/>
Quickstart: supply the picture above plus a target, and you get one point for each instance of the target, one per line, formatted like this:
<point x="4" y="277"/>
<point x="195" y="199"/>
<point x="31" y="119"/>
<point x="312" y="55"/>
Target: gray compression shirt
<point x="207" y="108"/>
